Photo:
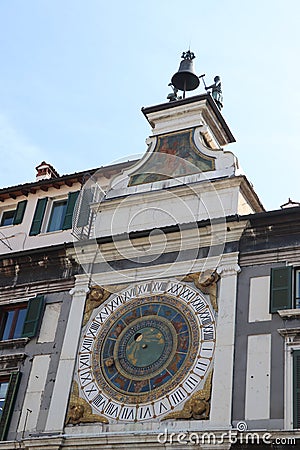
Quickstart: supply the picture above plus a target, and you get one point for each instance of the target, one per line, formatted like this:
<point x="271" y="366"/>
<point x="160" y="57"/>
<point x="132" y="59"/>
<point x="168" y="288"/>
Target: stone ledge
<point x="288" y="313"/>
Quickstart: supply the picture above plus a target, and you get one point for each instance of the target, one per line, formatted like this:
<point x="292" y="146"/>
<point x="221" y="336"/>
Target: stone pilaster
<point x="62" y="386"/>
<point x="221" y="403"/>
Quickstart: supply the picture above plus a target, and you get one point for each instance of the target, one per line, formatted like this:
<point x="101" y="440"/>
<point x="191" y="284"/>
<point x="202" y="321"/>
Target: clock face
<point x="146" y="350"/>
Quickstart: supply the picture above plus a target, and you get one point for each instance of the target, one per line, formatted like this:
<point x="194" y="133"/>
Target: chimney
<point x="45" y="171"/>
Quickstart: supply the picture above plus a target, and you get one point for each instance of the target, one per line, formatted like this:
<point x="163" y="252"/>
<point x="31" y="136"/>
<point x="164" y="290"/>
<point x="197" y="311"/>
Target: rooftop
<point x="69" y="179"/>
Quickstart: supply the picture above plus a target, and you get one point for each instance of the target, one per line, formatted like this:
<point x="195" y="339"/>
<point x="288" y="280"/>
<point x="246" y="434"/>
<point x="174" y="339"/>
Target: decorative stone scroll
<point x="80" y="411"/>
<point x="207" y="283"/>
<point x="198" y="406"/>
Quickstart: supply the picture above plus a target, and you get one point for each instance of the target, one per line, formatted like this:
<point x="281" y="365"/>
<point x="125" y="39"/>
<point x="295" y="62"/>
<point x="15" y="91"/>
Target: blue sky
<point x="75" y="74"/>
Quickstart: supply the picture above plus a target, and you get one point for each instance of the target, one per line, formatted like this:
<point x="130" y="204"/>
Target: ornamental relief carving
<point x="80" y="411"/>
<point x="96" y="296"/>
<point x="198" y="406"/>
<point x="206" y="282"/>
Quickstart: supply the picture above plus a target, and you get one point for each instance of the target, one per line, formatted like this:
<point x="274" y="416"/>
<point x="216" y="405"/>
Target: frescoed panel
<point x="175" y="155"/>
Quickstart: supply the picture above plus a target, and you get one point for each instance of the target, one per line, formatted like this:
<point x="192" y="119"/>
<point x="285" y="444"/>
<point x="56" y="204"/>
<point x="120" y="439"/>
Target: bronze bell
<point x="186" y="79"/>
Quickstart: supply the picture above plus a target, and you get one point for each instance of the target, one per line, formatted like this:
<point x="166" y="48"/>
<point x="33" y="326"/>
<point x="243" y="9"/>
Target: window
<point x="7" y="218"/>
<point x="285" y="288"/>
<point x="12" y="321"/>
<point x="297" y="288"/>
<point x="57" y="216"/>
<point x="8" y="392"/>
<point x="14" y="216"/>
<point x="296" y="388"/>
<point x="60" y="216"/>
<point x="84" y="210"/>
<point x="291" y="376"/>
<point x="281" y="289"/>
<point x="21" y="320"/>
<point x="4" y="382"/>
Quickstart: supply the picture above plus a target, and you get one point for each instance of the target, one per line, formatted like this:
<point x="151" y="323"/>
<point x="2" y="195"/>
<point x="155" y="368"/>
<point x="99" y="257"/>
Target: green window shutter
<point x="72" y="197"/>
<point x="296" y="388"/>
<point x="33" y="314"/>
<point x="9" y="403"/>
<point x="19" y="214"/>
<point x="38" y="216"/>
<point x="281" y="288"/>
<point x="84" y="210"/>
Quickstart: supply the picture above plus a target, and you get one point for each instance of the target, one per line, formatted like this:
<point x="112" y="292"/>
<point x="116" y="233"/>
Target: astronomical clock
<point x="146" y="353"/>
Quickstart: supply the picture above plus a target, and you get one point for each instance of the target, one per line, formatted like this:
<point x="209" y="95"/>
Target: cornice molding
<point x="19" y="293"/>
<point x="13" y="344"/>
<point x="268" y="256"/>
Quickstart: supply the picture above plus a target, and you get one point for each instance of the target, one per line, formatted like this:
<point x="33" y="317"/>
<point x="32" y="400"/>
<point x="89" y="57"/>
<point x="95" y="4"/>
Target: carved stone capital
<point x="79" y="291"/>
<point x="228" y="270"/>
<point x="81" y="287"/>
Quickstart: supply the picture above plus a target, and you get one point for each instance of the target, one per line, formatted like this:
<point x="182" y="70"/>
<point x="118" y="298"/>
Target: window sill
<point x="14" y="343"/>
<point x="288" y="313"/>
<point x="7" y="226"/>
<point x="47" y="233"/>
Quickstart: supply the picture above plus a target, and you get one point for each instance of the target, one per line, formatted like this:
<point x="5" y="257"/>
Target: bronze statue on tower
<point x="216" y="91"/>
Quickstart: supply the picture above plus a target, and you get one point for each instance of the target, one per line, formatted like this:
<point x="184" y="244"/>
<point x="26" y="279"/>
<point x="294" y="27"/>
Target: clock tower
<point x="156" y="298"/>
